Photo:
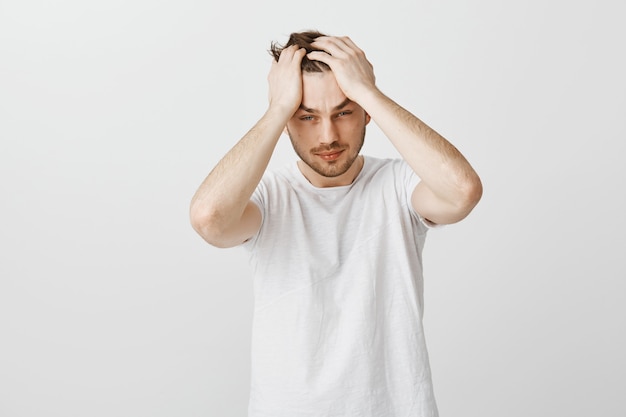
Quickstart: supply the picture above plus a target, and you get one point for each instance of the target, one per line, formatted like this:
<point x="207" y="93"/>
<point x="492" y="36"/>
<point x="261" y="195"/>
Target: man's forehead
<point x="311" y="78"/>
<point x="321" y="92"/>
<point x="339" y="106"/>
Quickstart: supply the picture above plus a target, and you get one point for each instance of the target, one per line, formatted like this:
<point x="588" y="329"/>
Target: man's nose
<point x="328" y="133"/>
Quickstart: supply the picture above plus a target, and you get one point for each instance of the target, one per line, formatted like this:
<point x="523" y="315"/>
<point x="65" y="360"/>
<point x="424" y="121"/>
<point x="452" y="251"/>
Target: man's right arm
<point x="221" y="211"/>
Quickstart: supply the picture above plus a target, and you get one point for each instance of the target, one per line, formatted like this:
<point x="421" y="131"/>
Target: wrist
<point x="368" y="97"/>
<point x="279" y="114"/>
<point x="285" y="110"/>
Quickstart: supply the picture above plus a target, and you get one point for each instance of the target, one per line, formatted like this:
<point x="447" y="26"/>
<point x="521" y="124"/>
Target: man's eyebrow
<point x="337" y="107"/>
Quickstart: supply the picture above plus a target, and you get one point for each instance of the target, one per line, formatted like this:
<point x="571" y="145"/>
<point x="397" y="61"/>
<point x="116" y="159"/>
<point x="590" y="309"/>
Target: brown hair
<point x="303" y="40"/>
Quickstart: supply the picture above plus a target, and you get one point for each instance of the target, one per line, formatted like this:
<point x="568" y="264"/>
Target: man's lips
<point x="330" y="156"/>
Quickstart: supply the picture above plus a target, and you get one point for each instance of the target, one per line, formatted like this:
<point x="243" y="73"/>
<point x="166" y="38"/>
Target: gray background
<point x="112" y="112"/>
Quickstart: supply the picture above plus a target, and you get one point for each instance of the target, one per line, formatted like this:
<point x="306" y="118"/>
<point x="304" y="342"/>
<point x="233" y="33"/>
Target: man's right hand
<point x="285" y="80"/>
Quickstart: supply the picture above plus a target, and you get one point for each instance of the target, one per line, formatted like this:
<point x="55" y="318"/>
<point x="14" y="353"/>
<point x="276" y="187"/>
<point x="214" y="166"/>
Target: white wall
<point x="112" y="112"/>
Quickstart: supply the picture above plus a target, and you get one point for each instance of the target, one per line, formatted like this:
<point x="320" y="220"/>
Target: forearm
<point x="436" y="161"/>
<point x="225" y="193"/>
<point x="450" y="187"/>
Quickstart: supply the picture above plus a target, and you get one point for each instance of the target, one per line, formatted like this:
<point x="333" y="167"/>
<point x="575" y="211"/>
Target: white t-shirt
<point x="337" y="328"/>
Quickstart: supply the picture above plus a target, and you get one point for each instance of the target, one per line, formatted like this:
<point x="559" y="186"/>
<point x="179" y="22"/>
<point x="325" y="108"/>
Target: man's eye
<point x="344" y="113"/>
<point x="306" y="118"/>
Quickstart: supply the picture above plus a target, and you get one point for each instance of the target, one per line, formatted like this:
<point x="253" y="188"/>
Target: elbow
<point x="206" y="223"/>
<point x="474" y="190"/>
<point x="471" y="191"/>
<point x="461" y="197"/>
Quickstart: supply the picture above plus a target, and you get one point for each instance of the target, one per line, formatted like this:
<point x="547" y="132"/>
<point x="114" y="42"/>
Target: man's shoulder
<point x="381" y="166"/>
<point x="376" y="161"/>
<point x="284" y="171"/>
<point x="279" y="177"/>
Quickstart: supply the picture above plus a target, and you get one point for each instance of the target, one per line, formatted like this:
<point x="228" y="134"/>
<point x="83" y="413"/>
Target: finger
<point x="286" y="54"/>
<point x="328" y="45"/>
<point x="350" y="44"/>
<point x="322" y="57"/>
<point x="298" y="55"/>
<point x="333" y="45"/>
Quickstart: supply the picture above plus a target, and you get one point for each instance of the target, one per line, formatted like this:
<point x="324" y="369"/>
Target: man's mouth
<point x="330" y="156"/>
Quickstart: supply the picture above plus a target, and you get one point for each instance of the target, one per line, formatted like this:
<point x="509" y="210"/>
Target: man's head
<point x="328" y="129"/>
<point x="302" y="40"/>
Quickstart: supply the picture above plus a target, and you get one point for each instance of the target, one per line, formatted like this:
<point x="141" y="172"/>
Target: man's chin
<point x="331" y="170"/>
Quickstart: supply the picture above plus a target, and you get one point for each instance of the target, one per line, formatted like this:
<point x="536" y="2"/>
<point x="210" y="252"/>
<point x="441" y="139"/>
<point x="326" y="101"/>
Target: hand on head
<point x="285" y="80"/>
<point x="353" y="72"/>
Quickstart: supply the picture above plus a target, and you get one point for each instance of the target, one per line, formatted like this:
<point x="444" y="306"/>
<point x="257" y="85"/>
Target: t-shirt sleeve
<point x="409" y="181"/>
<point x="259" y="198"/>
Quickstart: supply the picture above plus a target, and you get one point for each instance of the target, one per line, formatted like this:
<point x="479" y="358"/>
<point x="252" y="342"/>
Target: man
<point x="335" y="240"/>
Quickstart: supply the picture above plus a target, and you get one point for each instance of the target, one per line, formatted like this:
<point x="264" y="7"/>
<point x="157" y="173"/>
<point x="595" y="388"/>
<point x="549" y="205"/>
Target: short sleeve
<point x="259" y="198"/>
<point x="409" y="181"/>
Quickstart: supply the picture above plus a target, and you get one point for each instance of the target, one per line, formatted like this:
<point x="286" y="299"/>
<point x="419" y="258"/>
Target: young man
<point x="335" y="239"/>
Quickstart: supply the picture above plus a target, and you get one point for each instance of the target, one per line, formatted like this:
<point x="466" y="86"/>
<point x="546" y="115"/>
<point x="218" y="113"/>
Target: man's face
<point x="327" y="131"/>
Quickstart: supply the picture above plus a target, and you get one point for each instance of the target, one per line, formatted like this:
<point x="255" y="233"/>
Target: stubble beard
<point x="329" y="169"/>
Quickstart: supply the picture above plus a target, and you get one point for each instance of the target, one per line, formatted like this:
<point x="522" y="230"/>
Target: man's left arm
<point x="449" y="187"/>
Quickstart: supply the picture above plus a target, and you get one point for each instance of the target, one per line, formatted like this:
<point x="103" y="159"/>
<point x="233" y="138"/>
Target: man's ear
<point x="367" y="118"/>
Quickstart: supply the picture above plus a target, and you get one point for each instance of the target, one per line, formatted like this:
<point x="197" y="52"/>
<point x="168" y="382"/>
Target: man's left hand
<point x="353" y="72"/>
